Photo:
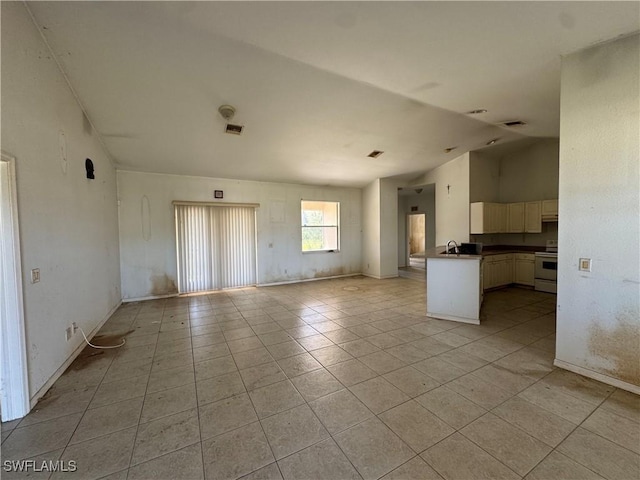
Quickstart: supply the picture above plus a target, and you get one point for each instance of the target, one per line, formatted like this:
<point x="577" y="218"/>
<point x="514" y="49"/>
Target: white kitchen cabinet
<point x="515" y="217"/>
<point x="487" y="217"/>
<point x="550" y="210"/>
<point x="497" y="270"/>
<point x="533" y="217"/>
<point x="523" y="270"/>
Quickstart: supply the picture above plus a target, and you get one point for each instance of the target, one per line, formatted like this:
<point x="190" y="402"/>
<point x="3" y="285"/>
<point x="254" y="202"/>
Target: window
<point x="320" y="224"/>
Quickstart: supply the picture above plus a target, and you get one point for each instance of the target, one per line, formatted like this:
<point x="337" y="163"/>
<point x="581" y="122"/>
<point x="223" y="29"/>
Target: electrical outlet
<point x="68" y="333"/>
<point x="584" y="265"/>
<point x="35" y="275"/>
<point x="74" y="328"/>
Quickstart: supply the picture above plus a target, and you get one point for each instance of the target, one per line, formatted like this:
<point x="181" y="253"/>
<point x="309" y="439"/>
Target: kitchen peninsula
<point x="454" y="285"/>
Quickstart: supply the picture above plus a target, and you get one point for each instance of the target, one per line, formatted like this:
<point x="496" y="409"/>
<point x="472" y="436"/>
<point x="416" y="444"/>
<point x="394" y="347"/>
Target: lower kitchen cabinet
<point x="523" y="271"/>
<point x="497" y="270"/>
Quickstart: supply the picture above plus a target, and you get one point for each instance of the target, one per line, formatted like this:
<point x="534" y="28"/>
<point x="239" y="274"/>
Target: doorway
<point x="416" y="240"/>
<point x="14" y="386"/>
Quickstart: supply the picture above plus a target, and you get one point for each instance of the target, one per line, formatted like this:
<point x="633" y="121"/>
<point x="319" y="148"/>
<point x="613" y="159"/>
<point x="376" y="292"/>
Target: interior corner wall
<point x="598" y="318"/>
<point x="531" y="173"/>
<point x="484" y="177"/>
<point x="148" y="262"/>
<point x="371" y="229"/>
<point x="452" y="199"/>
<point x="388" y="228"/>
<point x="68" y="224"/>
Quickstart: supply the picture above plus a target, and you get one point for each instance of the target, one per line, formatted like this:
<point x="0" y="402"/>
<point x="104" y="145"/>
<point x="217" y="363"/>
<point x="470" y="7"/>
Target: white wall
<point x="388" y="228"/>
<point x="598" y="326"/>
<point x="68" y="224"/>
<point x="149" y="266"/>
<point x="452" y="204"/>
<point x="531" y="173"/>
<point x="484" y="177"/>
<point x="371" y="229"/>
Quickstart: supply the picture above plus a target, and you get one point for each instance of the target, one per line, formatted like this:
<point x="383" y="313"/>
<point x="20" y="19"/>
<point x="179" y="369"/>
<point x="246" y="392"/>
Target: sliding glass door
<point x="216" y="247"/>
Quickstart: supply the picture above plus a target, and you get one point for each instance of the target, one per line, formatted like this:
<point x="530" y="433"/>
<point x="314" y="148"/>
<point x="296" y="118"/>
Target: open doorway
<point x="416" y="240"/>
<point x="14" y="387"/>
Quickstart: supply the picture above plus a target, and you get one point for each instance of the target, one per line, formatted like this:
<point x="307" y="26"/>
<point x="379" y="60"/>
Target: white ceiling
<point x="318" y="85"/>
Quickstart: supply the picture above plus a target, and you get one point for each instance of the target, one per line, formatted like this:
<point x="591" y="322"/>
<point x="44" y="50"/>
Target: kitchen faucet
<point x="455" y="246"/>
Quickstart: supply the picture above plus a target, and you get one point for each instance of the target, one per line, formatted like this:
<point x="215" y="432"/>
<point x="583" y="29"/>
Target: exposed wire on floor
<point x="100" y="346"/>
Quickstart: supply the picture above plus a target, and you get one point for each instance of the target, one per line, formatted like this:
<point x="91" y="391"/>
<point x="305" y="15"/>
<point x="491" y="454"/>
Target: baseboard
<point x="585" y="372"/>
<point x="58" y="373"/>
<point x="289" y="282"/>
<point x="380" y="277"/>
<point x="150" y="297"/>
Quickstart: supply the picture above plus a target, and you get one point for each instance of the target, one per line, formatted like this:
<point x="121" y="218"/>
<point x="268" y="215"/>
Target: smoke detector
<point x="227" y="112"/>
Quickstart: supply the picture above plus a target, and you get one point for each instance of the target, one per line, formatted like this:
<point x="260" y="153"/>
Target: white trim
<point x="585" y="372"/>
<point x="58" y="373"/>
<point x="289" y="282"/>
<point x="452" y="318"/>
<point x="150" y="297"/>
<point x="379" y="277"/>
<point x="14" y="379"/>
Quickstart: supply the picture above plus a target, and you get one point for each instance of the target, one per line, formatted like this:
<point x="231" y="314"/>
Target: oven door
<point x="546" y="267"/>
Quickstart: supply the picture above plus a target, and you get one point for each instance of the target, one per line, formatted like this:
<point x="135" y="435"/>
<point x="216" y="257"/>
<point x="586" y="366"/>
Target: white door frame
<point x="14" y="381"/>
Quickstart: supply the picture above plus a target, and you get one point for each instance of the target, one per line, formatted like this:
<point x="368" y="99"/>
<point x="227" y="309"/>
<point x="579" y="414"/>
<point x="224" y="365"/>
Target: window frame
<point x="324" y="225"/>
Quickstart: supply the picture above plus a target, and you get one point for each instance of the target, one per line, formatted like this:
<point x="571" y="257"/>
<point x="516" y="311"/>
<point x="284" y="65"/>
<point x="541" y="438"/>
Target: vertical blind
<point x="216" y="247"/>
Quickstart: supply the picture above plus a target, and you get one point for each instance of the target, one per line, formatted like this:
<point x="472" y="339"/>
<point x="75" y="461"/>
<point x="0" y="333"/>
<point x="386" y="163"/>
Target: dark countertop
<point x="438" y="252"/>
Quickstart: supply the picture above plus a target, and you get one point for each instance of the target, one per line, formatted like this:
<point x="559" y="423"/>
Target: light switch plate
<point x="35" y="275"/>
<point x="584" y="265"/>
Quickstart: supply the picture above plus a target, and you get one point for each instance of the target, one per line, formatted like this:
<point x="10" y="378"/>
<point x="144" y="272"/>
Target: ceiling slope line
<point x="68" y="82"/>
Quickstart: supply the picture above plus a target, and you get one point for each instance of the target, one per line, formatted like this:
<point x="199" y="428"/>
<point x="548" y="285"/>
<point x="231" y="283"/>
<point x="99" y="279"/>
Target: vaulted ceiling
<point x="318" y="85"/>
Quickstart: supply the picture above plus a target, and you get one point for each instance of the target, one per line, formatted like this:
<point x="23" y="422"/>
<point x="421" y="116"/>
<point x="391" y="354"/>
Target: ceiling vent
<point x="477" y="111"/>
<point x="514" y="123"/>
<point x="233" y="129"/>
<point x="375" y="154"/>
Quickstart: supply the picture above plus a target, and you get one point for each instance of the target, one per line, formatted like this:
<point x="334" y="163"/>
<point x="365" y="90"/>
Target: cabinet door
<point x="500" y="217"/>
<point x="489" y="275"/>
<point x="533" y="217"/>
<point x="550" y="207"/>
<point x="524" y="272"/>
<point x="515" y="222"/>
<point x="506" y="271"/>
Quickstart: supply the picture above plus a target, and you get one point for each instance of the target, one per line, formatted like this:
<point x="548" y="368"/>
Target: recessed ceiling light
<point x="477" y="111"/>
<point x="375" y="154"/>
<point x="449" y="149"/>
<point x="492" y="141"/>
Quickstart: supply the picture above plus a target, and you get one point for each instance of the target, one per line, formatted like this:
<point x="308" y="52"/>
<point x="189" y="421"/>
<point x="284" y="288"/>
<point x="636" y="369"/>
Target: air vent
<point x="449" y="149"/>
<point x="375" y="154"/>
<point x="233" y="129"/>
<point x="477" y="111"/>
<point x="514" y="123"/>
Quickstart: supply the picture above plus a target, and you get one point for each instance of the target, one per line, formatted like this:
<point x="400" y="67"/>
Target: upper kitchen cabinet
<point x="515" y="217"/>
<point x="488" y="218"/>
<point x="550" y="210"/>
<point x="533" y="217"/>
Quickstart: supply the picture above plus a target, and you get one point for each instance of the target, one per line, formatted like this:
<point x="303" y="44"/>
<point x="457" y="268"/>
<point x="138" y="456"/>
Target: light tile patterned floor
<point x="334" y="379"/>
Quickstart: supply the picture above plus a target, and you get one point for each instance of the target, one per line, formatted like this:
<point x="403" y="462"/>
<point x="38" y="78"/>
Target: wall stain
<point x="329" y="272"/>
<point x="620" y="346"/>
<point x="162" y="285"/>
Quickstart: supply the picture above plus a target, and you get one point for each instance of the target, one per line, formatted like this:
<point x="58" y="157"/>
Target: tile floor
<point x="334" y="379"/>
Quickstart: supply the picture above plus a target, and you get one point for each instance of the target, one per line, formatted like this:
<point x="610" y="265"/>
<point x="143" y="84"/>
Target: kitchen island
<point x="454" y="286"/>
